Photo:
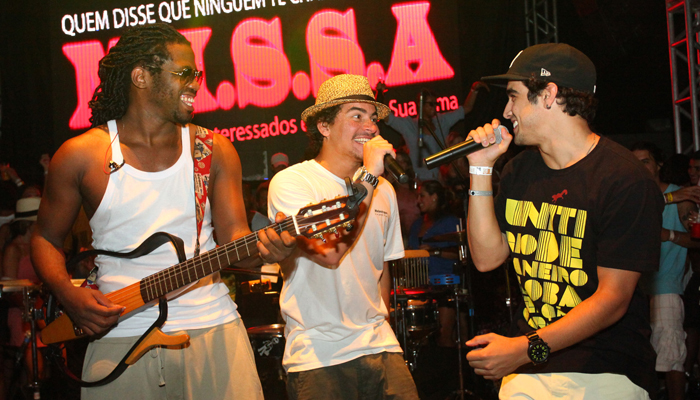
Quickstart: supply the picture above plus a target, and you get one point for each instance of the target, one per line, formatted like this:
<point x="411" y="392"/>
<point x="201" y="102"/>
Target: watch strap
<point x="363" y="175"/>
<point x="535" y="342"/>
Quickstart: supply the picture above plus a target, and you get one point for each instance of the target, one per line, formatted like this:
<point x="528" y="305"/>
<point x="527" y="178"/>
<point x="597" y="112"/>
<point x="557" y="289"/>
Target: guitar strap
<point x="153" y="242"/>
<point x="203" y="146"/>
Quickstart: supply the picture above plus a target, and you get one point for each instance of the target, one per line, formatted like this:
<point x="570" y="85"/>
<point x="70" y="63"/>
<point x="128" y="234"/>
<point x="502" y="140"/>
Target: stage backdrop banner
<point x="264" y="60"/>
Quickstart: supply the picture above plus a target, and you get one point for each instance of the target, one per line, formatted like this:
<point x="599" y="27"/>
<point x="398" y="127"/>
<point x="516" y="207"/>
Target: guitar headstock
<point x="327" y="216"/>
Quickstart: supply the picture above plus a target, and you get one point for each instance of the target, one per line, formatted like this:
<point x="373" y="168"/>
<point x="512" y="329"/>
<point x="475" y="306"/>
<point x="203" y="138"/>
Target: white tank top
<point x="138" y="204"/>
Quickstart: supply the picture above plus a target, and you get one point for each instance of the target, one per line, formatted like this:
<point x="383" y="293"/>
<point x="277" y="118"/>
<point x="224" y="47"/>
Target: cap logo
<point x="516" y="57"/>
<point x="544" y="72"/>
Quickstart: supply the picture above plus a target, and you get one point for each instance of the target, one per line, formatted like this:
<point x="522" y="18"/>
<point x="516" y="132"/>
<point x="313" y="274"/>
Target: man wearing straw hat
<point x="581" y="219"/>
<point x="339" y="344"/>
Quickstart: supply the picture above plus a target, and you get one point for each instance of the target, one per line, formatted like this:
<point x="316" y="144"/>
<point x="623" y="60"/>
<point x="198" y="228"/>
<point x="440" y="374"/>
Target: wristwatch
<point x="537" y="349"/>
<point x="363" y="175"/>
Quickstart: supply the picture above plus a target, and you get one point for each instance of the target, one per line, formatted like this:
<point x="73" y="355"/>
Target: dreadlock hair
<point x="315" y="137"/>
<point x="575" y="102"/>
<point x="144" y="46"/>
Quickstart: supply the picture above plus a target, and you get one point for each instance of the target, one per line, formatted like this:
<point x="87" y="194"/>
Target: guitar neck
<point x="184" y="273"/>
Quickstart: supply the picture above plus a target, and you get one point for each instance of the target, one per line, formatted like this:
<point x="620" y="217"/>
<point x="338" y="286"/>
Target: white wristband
<point x="480" y="170"/>
<point x="671" y="236"/>
<point x="480" y="192"/>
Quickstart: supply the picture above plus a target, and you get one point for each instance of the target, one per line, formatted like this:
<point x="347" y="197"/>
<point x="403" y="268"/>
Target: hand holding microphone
<point x="493" y="133"/>
<point x="378" y="152"/>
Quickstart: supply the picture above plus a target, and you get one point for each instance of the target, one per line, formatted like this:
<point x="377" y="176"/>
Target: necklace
<point x="595" y="140"/>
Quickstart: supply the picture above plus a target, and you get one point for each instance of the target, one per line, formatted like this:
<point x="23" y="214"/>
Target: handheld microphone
<point x="420" y="120"/>
<point x="459" y="150"/>
<point x="392" y="166"/>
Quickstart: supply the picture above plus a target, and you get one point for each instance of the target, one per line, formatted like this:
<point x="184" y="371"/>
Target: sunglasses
<point x="188" y="75"/>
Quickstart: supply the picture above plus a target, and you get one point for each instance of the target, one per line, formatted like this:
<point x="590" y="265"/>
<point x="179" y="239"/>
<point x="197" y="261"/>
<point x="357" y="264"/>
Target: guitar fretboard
<point x="184" y="273"/>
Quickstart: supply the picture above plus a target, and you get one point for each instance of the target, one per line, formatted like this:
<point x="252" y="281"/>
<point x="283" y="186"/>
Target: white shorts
<point x="570" y="386"/>
<point x="667" y="334"/>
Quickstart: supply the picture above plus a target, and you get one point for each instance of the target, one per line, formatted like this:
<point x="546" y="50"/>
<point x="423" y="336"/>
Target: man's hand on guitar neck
<point x="89" y="309"/>
<point x="274" y="247"/>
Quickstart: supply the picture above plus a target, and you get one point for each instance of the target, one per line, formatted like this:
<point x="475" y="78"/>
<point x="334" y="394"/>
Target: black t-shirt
<point x="605" y="210"/>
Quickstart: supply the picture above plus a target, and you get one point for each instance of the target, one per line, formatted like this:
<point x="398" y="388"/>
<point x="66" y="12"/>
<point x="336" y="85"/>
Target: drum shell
<point x="267" y="340"/>
<point x="421" y="315"/>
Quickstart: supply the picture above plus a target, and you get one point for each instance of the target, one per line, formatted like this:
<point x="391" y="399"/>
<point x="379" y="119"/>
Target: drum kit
<point x="415" y="297"/>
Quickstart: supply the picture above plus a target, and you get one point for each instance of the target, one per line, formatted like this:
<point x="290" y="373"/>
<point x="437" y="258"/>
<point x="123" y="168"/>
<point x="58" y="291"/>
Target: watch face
<point x="539" y="352"/>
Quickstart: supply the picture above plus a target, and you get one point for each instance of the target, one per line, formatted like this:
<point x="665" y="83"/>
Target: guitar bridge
<point x="78" y="331"/>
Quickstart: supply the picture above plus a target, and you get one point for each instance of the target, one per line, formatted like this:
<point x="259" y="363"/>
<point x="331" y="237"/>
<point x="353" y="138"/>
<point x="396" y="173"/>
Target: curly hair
<point x="315" y="137"/>
<point x="575" y="102"/>
<point x="144" y="46"/>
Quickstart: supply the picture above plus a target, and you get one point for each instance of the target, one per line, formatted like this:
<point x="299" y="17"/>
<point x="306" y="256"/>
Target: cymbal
<point x="459" y="236"/>
<point x="15" y="285"/>
<point x="416" y="253"/>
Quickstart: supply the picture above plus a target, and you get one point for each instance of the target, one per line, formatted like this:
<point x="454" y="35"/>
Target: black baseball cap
<point x="552" y="62"/>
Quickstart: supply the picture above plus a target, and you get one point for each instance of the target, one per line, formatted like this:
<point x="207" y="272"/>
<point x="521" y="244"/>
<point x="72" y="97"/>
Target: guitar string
<point x="128" y="295"/>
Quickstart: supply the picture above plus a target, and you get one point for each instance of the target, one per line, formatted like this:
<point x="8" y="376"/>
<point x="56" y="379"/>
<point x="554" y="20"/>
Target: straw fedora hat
<point x="27" y="209"/>
<point x="342" y="89"/>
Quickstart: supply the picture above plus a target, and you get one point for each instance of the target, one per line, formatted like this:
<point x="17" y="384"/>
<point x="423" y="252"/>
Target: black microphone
<point x="420" y="120"/>
<point x="392" y="166"/>
<point x="459" y="150"/>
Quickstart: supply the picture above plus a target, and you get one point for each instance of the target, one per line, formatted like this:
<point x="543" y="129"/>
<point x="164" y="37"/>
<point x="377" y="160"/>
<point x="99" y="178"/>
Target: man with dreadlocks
<point x="133" y="174"/>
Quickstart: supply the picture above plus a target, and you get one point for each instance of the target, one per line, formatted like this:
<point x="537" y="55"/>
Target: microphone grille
<point x="498" y="132"/>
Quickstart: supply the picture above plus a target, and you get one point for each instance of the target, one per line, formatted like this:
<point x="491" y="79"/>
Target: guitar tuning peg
<point x="348" y="227"/>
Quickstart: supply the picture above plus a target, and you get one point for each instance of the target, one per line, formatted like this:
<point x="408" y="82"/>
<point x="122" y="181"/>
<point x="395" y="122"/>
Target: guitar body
<point x="62" y="328"/>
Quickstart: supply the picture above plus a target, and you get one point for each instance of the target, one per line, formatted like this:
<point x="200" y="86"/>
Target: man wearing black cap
<point x="581" y="218"/>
